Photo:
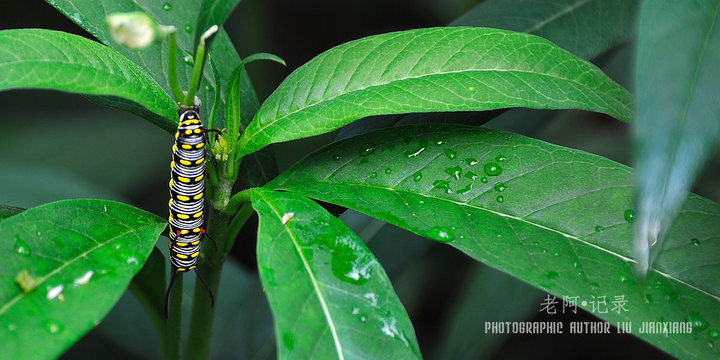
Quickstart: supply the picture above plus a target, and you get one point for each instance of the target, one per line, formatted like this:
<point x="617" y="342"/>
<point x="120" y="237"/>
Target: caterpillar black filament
<point x="187" y="197"/>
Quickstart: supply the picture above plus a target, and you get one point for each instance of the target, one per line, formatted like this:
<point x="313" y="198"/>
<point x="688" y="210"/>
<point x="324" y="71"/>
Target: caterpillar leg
<point x="209" y="237"/>
<point x="167" y="293"/>
<point x="207" y="287"/>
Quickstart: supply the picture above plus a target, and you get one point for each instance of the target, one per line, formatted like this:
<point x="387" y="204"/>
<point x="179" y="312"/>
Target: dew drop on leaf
<point x="500" y="158"/>
<point x="167" y="7"/>
<point x="499" y="187"/>
<point x="576" y="263"/>
<point x="188" y="59"/>
<point x="465" y="189"/>
<point x="697" y="321"/>
<point x="695" y="242"/>
<point x="442" y="185"/>
<point x="714" y="333"/>
<point x="21" y="247"/>
<point x="629" y="216"/>
<point x="599" y="229"/>
<point x="483" y="180"/>
<point x="367" y="149"/>
<point x="188" y="28"/>
<point x="471" y="175"/>
<point x="451" y="154"/>
<point x="471" y="161"/>
<point x="454" y="171"/>
<point x="440" y="233"/>
<point x="492" y="169"/>
<point x="417" y="176"/>
<point x="388" y="170"/>
<point x="623" y="278"/>
<point x="373" y="175"/>
<point x="53" y="327"/>
<point x="337" y="157"/>
<point x="499" y="198"/>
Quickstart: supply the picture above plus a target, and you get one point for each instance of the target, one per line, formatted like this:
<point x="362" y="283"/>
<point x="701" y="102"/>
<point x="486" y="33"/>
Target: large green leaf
<point x="677" y="110"/>
<point x="45" y="59"/>
<point x="426" y="70"/>
<point x="67" y="264"/>
<point x="329" y="296"/>
<point x="554" y="217"/>
<point x="213" y="12"/>
<point x="585" y="28"/>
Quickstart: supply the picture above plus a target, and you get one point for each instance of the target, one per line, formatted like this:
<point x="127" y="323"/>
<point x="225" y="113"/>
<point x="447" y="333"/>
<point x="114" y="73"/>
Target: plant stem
<point x="201" y="321"/>
<point x="197" y="68"/>
<point x="237" y="200"/>
<point x="172" y="72"/>
<point x="174" y="321"/>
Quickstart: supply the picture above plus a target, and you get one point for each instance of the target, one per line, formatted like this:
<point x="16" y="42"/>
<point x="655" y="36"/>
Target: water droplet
<point x="451" y="154"/>
<point x="623" y="278"/>
<point x="465" y="189"/>
<point x="84" y="279"/>
<point x="492" y="169"/>
<point x="337" y="157"/>
<point x="417" y="176"/>
<point x="388" y="170"/>
<point x="373" y="175"/>
<point x="555" y="253"/>
<point x="711" y="344"/>
<point x="576" y="263"/>
<point x="355" y="310"/>
<point x="471" y="161"/>
<point x="288" y="340"/>
<point x="594" y="285"/>
<point x="417" y="151"/>
<point x="551" y="275"/>
<point x="500" y="158"/>
<point x="363" y="160"/>
<point x="599" y="229"/>
<point x="442" y="185"/>
<point x="53" y="327"/>
<point x="629" y="216"/>
<point x="544" y="251"/>
<point x="580" y="273"/>
<point x="54" y="292"/>
<point x="471" y="175"/>
<point x="499" y="198"/>
<point x="167" y="7"/>
<point x="372" y="298"/>
<point x="438" y="141"/>
<point x="440" y="233"/>
<point x="454" y="171"/>
<point x="363" y="318"/>
<point x="367" y="149"/>
<point x="21" y="247"/>
<point x="483" y="179"/>
<point x="499" y="187"/>
<point x="188" y="59"/>
<point x="714" y="333"/>
<point x="695" y="242"/>
<point x="188" y="28"/>
<point x="697" y="321"/>
<point x="670" y="296"/>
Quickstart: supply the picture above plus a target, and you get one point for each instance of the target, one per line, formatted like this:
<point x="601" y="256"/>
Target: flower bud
<point x="136" y="30"/>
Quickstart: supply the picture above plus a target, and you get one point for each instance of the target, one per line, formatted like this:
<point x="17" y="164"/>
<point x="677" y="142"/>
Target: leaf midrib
<point x="305" y="107"/>
<point x="313" y="281"/>
<point x="519" y="219"/>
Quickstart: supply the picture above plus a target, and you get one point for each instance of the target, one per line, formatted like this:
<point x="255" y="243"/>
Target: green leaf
<point x="213" y="12"/>
<point x="329" y="296"/>
<point x="551" y="216"/>
<point x="81" y="254"/>
<point x="677" y="109"/>
<point x="426" y="70"/>
<point x="90" y="15"/>
<point x="45" y="59"/>
<point x="585" y="28"/>
<point x="8" y="211"/>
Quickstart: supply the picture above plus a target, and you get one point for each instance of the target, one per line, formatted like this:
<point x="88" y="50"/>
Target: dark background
<point x="55" y="146"/>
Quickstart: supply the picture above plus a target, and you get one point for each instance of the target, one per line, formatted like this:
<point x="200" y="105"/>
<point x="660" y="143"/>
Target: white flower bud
<point x="136" y="30"/>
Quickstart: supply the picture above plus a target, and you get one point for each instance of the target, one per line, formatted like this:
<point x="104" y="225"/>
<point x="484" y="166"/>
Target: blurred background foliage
<point x="58" y="146"/>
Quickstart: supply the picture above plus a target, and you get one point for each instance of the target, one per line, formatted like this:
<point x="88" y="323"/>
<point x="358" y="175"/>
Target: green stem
<point x="174" y="321"/>
<point x="201" y="321"/>
<point x="172" y="72"/>
<point x="197" y="68"/>
<point x="222" y="194"/>
<point x="237" y="200"/>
